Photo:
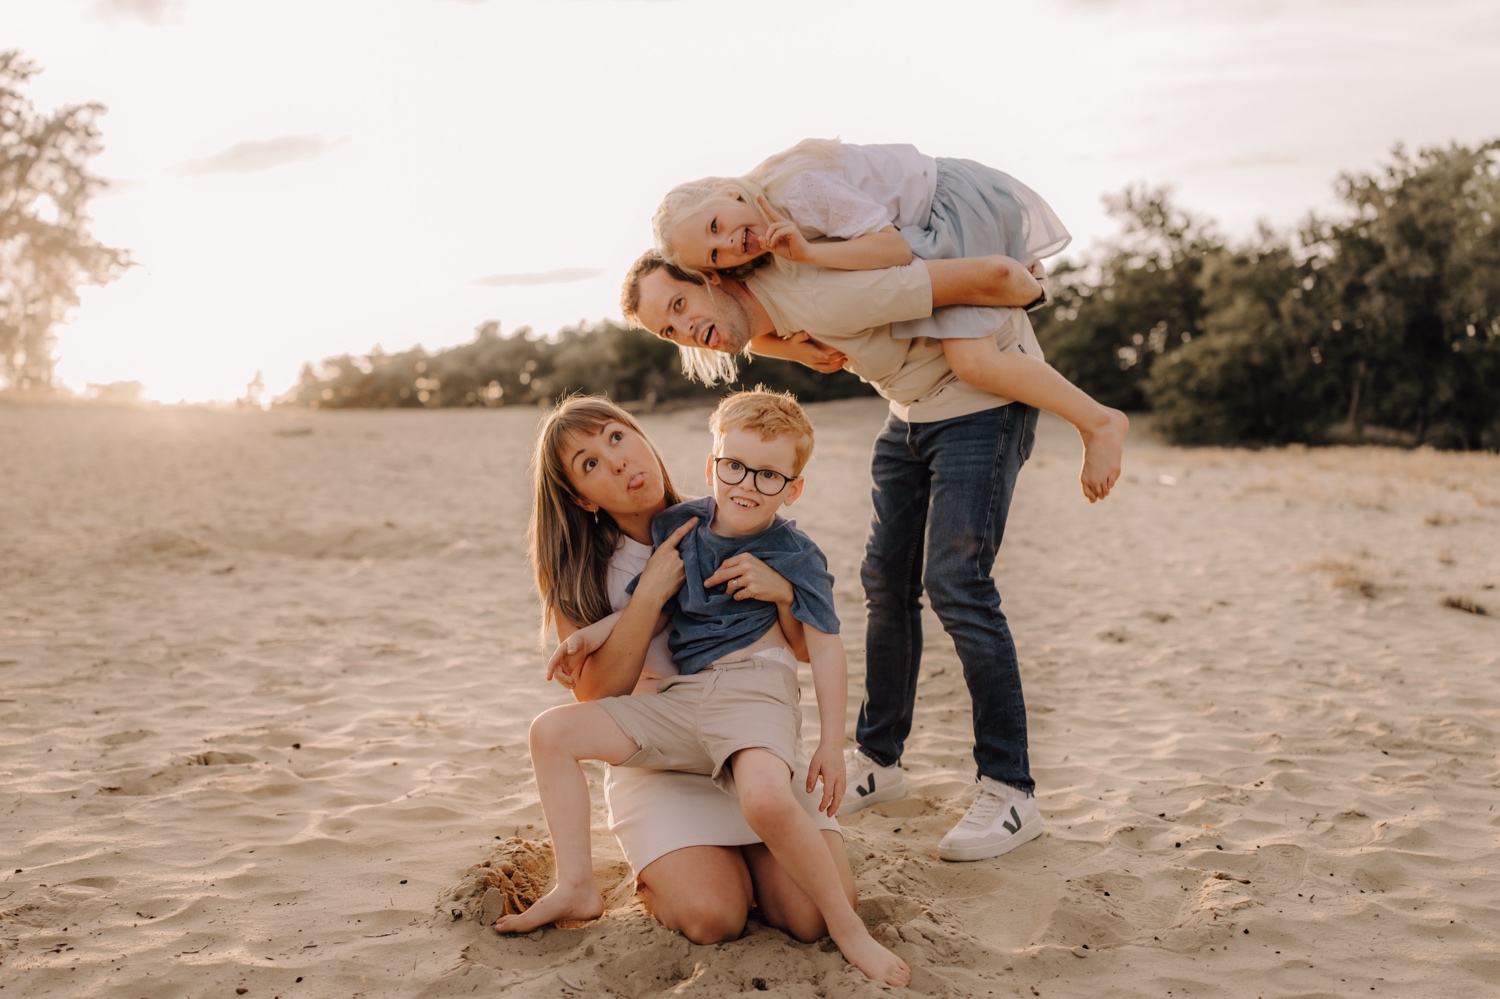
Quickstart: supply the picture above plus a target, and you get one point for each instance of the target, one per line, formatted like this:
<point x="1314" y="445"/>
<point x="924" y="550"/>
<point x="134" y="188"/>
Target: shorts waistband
<point x="776" y="654"/>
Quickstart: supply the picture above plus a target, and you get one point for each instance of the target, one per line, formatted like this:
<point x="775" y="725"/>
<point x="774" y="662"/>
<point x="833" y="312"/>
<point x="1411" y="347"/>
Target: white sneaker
<point x="1000" y="819"/>
<point x="868" y="783"/>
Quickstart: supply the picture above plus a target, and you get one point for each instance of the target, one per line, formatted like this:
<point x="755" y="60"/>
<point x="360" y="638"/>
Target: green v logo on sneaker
<point x="867" y="790"/>
<point x="1014" y="817"/>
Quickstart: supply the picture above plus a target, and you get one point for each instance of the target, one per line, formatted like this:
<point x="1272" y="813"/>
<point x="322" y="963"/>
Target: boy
<point x="732" y="711"/>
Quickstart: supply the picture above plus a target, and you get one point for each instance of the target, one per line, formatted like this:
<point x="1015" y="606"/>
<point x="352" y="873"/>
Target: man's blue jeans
<point x="944" y="488"/>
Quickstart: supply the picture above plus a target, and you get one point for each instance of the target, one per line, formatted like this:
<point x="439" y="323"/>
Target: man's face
<point x="693" y="315"/>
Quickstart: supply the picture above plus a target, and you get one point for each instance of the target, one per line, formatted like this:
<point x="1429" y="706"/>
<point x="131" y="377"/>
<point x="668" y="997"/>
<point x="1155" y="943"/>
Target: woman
<point x="598" y="481"/>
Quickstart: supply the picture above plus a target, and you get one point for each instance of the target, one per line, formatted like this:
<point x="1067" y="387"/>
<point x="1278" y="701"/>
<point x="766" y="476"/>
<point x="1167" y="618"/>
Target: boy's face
<point x="742" y="509"/>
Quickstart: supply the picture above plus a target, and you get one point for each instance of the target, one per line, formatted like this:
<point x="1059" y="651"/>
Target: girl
<point x="597" y="483"/>
<point x="863" y="207"/>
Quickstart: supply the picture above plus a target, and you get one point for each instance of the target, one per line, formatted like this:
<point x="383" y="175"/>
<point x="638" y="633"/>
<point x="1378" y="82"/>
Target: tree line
<point x="1382" y="323"/>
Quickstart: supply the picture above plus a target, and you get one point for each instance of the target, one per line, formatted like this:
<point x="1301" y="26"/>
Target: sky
<point x="298" y="179"/>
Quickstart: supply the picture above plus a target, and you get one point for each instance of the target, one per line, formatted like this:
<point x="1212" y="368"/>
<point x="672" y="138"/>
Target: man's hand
<point x="828" y="763"/>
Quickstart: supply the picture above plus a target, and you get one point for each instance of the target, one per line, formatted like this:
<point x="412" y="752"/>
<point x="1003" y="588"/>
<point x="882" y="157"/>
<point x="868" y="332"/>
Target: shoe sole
<point x="966" y="853"/>
<point x="853" y="802"/>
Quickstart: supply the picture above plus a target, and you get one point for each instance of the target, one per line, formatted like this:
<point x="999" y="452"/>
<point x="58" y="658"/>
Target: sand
<point x="265" y="680"/>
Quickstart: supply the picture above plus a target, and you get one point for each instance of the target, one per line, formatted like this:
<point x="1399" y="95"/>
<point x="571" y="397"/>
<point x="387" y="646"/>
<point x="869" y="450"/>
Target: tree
<point x="1114" y="318"/>
<point x="1407" y="300"/>
<point x="46" y="250"/>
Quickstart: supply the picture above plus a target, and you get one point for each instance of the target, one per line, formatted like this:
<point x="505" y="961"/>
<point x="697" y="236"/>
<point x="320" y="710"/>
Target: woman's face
<point x="725" y="232"/>
<point x="615" y="470"/>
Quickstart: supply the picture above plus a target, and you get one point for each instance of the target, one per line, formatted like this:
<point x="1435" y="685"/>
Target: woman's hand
<point x="828" y="763"/>
<point x="783" y="238"/>
<point x="664" y="575"/>
<point x="567" y="660"/>
<point x="746" y="577"/>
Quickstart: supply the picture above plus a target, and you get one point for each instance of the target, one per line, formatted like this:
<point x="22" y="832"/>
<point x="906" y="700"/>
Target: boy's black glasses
<point x="767" y="482"/>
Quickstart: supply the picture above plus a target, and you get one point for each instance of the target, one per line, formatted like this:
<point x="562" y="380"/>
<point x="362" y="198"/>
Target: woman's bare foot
<point x="879" y="964"/>
<point x="562" y="902"/>
<point x="1103" y="444"/>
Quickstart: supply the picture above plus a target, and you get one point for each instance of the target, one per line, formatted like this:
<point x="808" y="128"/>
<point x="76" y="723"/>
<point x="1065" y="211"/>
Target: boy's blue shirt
<point x="708" y="624"/>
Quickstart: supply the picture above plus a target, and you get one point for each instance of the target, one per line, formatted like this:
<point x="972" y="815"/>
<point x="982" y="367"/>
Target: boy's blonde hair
<point x="570" y="547"/>
<point x="772" y="415"/>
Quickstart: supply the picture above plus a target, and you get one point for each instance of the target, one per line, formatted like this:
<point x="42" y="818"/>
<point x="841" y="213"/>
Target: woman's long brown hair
<point x="570" y="551"/>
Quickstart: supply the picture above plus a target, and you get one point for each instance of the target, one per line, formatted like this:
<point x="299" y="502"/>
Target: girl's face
<point x="725" y="232"/>
<point x="615" y="470"/>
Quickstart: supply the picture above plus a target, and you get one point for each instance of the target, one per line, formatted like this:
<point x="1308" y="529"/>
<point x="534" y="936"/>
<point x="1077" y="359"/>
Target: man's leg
<point x="975" y="461"/>
<point x="892" y="577"/>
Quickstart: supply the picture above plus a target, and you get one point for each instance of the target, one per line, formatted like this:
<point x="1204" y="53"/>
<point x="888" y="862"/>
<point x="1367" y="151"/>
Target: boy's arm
<point x="993" y="280"/>
<point x="831" y="683"/>
<point x="615" y="667"/>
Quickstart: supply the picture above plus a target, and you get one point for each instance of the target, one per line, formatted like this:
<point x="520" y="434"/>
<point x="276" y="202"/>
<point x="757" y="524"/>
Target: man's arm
<point x="992" y="280"/>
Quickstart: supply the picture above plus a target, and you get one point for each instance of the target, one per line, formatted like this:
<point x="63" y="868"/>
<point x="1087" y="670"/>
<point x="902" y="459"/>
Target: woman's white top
<point x="629" y="562"/>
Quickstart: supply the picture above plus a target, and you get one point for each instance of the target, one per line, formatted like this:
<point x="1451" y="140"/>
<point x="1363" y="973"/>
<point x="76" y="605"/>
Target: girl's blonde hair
<point x="767" y="180"/>
<point x="570" y="547"/>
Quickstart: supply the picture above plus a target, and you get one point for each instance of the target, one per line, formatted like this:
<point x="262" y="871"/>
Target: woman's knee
<point x="702" y="918"/>
<point x="712" y="921"/>
<point x="805" y="925"/>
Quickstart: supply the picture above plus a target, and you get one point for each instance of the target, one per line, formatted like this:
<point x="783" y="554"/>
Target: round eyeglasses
<point x="767" y="481"/>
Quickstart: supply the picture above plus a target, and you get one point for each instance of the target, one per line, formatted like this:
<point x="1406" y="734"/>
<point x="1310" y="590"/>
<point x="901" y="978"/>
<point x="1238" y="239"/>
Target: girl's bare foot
<point x="562" y="902"/>
<point x="1103" y="444"/>
<point x="879" y="965"/>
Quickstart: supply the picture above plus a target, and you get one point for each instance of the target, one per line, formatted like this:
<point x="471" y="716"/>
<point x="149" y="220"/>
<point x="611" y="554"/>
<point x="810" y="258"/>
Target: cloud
<point x="150" y="11"/>
<point x="266" y="154"/>
<point x="564" y="275"/>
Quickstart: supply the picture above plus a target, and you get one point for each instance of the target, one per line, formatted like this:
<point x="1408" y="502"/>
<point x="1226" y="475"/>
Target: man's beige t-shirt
<point x="852" y="311"/>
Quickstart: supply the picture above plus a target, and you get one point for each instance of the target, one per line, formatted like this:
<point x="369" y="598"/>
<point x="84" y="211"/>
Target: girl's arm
<point x="748" y="578"/>
<point x="800" y="348"/>
<point x="872" y="251"/>
<point x="615" y="667"/>
<point x="831" y="684"/>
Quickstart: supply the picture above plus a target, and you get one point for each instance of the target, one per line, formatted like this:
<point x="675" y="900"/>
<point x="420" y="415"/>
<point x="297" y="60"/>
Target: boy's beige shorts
<point x="695" y="723"/>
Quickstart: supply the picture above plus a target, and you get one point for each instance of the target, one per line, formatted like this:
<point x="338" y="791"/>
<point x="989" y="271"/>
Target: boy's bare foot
<point x="580" y="902"/>
<point x="878" y="964"/>
<point x="1103" y="444"/>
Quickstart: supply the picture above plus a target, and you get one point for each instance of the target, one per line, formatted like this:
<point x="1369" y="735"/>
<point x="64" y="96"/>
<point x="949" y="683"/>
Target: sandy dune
<point x="265" y="681"/>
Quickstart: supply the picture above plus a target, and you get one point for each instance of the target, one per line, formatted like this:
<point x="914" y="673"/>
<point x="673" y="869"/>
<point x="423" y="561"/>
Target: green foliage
<point x="1408" y="299"/>
<point x="46" y="251"/>
<point x="1385" y="321"/>
<point x="1114" y="318"/>
<point x="601" y="358"/>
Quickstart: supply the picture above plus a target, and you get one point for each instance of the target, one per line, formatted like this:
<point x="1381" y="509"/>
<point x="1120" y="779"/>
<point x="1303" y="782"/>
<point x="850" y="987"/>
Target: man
<point x="944" y="469"/>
